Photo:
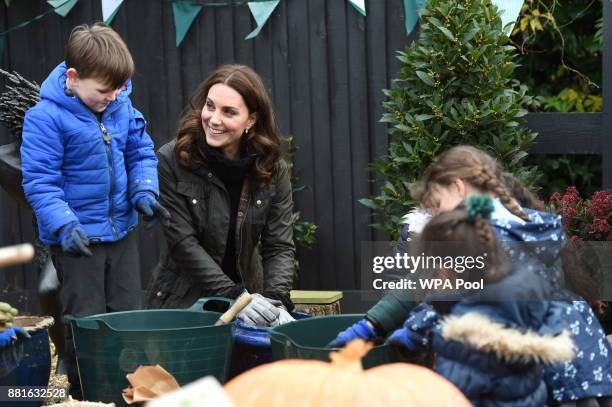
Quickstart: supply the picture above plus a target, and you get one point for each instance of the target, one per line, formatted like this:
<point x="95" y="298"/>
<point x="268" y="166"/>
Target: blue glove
<point x="360" y="329"/>
<point x="10" y="335"/>
<point x="405" y="337"/>
<point x="74" y="240"/>
<point x="151" y="210"/>
<point x="417" y="330"/>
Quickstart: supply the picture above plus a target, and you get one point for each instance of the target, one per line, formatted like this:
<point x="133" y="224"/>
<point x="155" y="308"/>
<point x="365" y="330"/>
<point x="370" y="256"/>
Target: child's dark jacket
<point x="71" y="174"/>
<point x="536" y="276"/>
<point x="495" y="351"/>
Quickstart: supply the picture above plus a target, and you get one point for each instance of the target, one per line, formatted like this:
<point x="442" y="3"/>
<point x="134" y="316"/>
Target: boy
<point x="88" y="166"/>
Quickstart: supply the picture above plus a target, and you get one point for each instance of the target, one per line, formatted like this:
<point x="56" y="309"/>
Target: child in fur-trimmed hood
<point x="492" y="343"/>
<point x="535" y="240"/>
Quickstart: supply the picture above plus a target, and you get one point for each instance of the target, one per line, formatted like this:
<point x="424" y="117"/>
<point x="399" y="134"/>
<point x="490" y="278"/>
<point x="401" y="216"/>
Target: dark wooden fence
<point x="324" y="65"/>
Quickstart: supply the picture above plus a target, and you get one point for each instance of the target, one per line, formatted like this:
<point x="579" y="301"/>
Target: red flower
<point x="584" y="219"/>
<point x="571" y="196"/>
<point x="576" y="238"/>
<point x="601" y="204"/>
<point x="569" y="213"/>
<point x="601" y="225"/>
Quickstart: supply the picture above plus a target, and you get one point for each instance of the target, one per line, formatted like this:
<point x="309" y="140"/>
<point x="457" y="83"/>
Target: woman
<point x="228" y="191"/>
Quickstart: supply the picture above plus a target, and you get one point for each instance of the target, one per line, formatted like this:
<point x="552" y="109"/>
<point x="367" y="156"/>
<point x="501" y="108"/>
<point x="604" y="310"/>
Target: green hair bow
<point x="479" y="206"/>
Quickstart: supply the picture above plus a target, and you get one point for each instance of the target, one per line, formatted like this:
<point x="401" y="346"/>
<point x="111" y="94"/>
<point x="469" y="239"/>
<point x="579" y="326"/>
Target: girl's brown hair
<point x="262" y="140"/>
<point x="525" y="197"/>
<point x="473" y="166"/>
<point x="473" y="237"/>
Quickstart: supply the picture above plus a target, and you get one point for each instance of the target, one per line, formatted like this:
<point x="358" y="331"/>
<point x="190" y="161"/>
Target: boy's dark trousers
<point x="108" y="281"/>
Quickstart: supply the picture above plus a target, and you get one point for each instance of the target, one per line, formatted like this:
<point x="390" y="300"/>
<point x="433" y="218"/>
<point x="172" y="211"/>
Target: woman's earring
<point x="246" y="131"/>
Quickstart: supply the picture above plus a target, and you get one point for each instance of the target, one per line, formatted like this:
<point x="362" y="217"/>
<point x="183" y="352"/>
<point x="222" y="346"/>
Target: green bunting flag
<point x="62" y="7"/>
<point x="411" y="13"/>
<point x="7" y="2"/>
<point x="184" y="14"/>
<point x="509" y="11"/>
<point x="359" y="6"/>
<point x="261" y="11"/>
<point x="110" y="9"/>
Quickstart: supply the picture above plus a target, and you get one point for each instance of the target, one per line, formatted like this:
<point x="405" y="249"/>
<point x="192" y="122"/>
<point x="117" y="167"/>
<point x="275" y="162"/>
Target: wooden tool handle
<point x="242" y="301"/>
<point x="11" y="255"/>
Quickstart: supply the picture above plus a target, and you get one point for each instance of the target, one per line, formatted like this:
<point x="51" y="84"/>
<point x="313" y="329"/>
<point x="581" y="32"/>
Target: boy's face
<point x="94" y="93"/>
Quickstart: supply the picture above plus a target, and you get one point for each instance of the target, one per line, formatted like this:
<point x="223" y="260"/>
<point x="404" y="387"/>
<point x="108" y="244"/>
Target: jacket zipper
<point x="106" y="136"/>
<point x="109" y="155"/>
<point x="239" y="235"/>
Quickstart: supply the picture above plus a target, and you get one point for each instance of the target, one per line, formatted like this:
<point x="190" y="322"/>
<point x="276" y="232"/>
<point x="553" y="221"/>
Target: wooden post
<point x="606" y="129"/>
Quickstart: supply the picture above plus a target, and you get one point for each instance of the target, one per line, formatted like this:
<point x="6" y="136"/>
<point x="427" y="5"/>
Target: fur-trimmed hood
<point x="485" y="335"/>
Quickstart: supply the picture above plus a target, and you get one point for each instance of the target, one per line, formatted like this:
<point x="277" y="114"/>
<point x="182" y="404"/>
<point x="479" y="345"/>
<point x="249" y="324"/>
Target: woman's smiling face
<point x="225" y="118"/>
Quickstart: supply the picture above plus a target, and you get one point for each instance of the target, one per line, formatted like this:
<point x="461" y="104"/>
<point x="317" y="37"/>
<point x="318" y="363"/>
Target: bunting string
<point x="186" y="11"/>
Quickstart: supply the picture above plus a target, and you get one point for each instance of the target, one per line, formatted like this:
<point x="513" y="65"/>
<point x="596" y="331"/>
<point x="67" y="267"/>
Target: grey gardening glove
<point x="283" y="318"/>
<point x="261" y="311"/>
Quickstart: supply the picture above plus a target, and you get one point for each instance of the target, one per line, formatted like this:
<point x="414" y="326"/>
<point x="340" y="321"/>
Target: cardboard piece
<point x="147" y="383"/>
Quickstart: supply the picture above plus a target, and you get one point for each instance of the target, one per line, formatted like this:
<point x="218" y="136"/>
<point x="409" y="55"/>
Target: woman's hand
<point x="261" y="311"/>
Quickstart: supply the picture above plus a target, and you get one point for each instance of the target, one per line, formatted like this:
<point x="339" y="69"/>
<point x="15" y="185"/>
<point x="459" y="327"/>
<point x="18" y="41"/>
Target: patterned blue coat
<point x="590" y="373"/>
<point x="71" y="174"/>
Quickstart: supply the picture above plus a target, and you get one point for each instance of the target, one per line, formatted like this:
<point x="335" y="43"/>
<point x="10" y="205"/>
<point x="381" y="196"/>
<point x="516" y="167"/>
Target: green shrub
<point x="560" y="63"/>
<point x="456" y="86"/>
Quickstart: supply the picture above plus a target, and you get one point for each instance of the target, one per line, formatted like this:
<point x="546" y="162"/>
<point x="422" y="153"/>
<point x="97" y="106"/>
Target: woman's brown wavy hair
<point x="263" y="139"/>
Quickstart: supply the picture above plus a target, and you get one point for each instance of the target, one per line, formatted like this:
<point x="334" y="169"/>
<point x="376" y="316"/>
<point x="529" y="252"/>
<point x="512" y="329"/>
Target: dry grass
<point x="55" y="380"/>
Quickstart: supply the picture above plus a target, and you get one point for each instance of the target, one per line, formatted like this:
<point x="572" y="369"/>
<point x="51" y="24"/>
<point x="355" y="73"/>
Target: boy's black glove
<point x="152" y="210"/>
<point x="74" y="240"/>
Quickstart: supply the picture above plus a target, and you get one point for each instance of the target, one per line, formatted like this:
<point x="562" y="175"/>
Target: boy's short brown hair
<point x="97" y="51"/>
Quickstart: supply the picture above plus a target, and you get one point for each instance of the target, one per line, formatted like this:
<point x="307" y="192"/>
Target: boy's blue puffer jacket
<point x="67" y="170"/>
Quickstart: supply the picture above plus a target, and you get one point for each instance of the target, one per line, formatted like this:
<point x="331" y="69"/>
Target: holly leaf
<point x="425" y="78"/>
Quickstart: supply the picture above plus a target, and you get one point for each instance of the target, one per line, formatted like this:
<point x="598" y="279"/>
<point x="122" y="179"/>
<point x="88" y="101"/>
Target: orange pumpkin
<point x="343" y="382"/>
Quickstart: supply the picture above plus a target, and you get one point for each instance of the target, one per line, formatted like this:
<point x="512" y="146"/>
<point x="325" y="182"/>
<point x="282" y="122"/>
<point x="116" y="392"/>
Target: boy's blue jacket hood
<point x="70" y="174"/>
<point x="54" y="89"/>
